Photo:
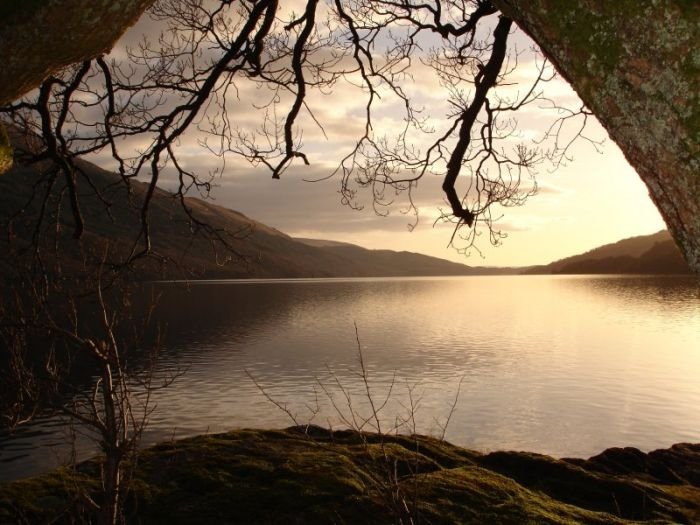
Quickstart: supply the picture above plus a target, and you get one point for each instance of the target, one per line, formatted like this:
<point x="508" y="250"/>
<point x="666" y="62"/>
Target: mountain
<point x="237" y="246"/>
<point x="645" y="254"/>
<point x="402" y="262"/>
<point x="252" y="249"/>
<point x="323" y="243"/>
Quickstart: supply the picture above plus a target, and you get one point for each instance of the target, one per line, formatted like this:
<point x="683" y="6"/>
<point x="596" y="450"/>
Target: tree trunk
<point x="38" y="37"/>
<point x="110" y="510"/>
<point x="636" y="65"/>
<point x="111" y="475"/>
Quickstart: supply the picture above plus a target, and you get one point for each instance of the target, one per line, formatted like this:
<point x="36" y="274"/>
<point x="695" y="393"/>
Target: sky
<point x="594" y="199"/>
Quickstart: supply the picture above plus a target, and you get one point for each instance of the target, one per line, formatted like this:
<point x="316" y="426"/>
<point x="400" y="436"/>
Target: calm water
<point x="566" y="366"/>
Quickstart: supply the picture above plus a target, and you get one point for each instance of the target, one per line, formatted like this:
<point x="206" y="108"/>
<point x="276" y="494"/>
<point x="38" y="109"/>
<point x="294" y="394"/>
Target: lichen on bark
<point x="39" y="37"/>
<point x="636" y="65"/>
<point x="5" y="150"/>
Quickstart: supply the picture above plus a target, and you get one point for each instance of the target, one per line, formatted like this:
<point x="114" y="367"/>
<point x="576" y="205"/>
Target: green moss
<point x="5" y="150"/>
<point x="288" y="477"/>
<point x="688" y="5"/>
<point x="11" y="9"/>
<point x="692" y="124"/>
<point x="588" y="32"/>
<point x="690" y="72"/>
<point x="44" y="498"/>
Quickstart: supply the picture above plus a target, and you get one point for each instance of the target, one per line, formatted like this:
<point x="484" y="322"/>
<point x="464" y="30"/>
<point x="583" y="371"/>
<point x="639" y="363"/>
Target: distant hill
<point x="322" y="243"/>
<point x="258" y="250"/>
<point x="645" y="254"/>
<point x="376" y="261"/>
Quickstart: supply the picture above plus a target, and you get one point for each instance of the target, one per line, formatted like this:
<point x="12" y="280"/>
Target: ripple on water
<point x="565" y="366"/>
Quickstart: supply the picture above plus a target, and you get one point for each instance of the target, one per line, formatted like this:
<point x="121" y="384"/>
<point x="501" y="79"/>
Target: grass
<point x="285" y="476"/>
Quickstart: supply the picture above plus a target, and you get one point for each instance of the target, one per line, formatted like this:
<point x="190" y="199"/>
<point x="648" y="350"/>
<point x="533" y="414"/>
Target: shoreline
<point x="312" y="475"/>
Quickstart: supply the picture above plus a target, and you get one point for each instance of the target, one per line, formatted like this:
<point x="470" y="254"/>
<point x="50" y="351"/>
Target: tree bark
<point x="636" y="65"/>
<point x="111" y="476"/>
<point x="38" y="37"/>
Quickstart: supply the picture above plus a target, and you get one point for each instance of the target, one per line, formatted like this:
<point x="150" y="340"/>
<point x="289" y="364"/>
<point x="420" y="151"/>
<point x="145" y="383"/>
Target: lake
<point x="562" y="365"/>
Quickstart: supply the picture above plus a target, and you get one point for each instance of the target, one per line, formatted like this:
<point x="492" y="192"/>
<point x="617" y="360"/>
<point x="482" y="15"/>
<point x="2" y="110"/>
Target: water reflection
<point x="560" y="365"/>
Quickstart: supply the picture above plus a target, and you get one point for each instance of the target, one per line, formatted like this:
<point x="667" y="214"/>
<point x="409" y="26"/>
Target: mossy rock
<point x="291" y="476"/>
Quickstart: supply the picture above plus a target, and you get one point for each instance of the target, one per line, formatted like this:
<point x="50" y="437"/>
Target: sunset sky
<point x="595" y="199"/>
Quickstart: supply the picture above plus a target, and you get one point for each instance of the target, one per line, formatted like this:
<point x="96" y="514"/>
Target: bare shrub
<point x="395" y="479"/>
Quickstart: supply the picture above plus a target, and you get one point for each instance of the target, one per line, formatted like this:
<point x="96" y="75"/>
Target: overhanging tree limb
<point x="636" y="66"/>
<point x="484" y="81"/>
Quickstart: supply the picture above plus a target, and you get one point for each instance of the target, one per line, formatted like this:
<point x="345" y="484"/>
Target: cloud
<point x="292" y="205"/>
<point x="315" y="209"/>
<point x="549" y="189"/>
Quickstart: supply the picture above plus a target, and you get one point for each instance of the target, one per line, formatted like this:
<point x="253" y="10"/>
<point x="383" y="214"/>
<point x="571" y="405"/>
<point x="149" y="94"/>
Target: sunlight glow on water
<point x="566" y="366"/>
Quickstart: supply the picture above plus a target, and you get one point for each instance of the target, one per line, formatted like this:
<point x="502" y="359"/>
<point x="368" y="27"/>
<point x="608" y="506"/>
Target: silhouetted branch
<point x="187" y="84"/>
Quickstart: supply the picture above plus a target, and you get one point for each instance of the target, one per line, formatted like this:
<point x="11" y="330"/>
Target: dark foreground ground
<point x="293" y="476"/>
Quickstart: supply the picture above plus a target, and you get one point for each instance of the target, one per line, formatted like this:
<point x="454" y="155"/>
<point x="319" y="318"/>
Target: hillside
<point x="645" y="254"/>
<point x="402" y="263"/>
<point x="253" y="249"/>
